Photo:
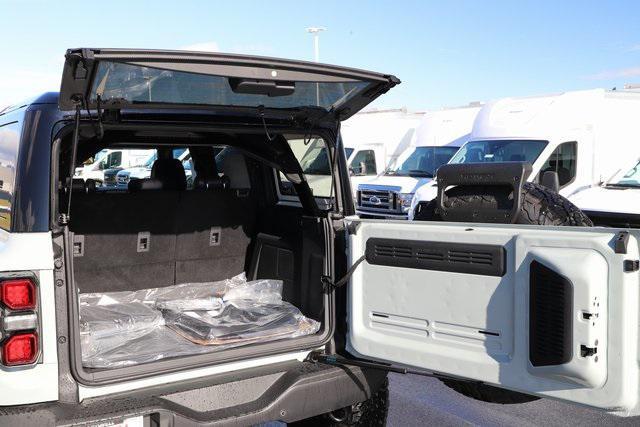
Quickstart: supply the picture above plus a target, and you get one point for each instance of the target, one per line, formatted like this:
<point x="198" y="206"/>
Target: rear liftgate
<point x="549" y="311"/>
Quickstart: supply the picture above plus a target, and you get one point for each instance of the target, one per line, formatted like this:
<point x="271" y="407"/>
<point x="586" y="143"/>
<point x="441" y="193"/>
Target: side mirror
<point x="101" y="166"/>
<point x="351" y="171"/>
<point x="550" y="180"/>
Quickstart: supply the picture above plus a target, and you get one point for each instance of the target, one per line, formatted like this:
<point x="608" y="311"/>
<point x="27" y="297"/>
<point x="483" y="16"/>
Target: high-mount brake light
<point x="20" y="349"/>
<point x="18" y="294"/>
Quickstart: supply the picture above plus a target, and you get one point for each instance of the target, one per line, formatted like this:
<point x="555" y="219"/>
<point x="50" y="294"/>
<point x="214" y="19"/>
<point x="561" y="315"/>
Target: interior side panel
<point x="291" y="247"/>
<point x="548" y="311"/>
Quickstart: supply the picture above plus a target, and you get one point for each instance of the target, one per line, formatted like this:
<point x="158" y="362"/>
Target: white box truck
<point x="579" y="139"/>
<point x="438" y="137"/>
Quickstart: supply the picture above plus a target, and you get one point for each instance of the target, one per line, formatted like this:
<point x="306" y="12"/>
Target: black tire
<point x="371" y="412"/>
<point x="539" y="206"/>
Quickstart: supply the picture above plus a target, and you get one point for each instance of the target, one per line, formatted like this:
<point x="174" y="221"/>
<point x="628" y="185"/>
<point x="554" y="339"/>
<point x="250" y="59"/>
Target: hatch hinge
<point x="631" y="265"/>
<point x="80" y="58"/>
<point x="335" y="360"/>
<point x="586" y="351"/>
<point x="621" y="242"/>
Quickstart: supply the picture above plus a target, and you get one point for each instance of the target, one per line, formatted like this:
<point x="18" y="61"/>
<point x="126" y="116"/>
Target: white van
<point x="438" y="137"/>
<point x="617" y="200"/>
<point x="371" y="140"/>
<point x="374" y="139"/>
<point x="580" y="137"/>
<point x="112" y="159"/>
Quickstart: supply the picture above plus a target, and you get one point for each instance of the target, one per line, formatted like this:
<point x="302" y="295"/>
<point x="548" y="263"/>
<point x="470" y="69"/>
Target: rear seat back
<point x="124" y="241"/>
<point x="157" y="237"/>
<point x="215" y="225"/>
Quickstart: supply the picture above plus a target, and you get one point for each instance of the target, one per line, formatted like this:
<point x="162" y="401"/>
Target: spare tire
<point x="540" y="206"/>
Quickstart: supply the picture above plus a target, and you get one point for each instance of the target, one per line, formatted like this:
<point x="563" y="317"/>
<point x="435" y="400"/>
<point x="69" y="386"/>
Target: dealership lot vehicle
<point x="112" y="161"/>
<point x="438" y="137"/>
<point x="574" y="140"/>
<point x="617" y="201"/>
<point x="371" y="140"/>
<point x="374" y="139"/>
<point x="487" y="315"/>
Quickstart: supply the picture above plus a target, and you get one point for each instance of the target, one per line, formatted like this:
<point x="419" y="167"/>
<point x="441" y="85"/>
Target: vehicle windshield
<point x="348" y="152"/>
<point x="630" y="178"/>
<point x="499" y="151"/>
<point x="136" y="84"/>
<point x="100" y="155"/>
<point x="423" y="162"/>
<point x="149" y="163"/>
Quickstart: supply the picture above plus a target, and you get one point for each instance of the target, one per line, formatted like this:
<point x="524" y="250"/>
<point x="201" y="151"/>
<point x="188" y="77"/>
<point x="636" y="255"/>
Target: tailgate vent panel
<point x="487" y="260"/>
<point x="550" y="320"/>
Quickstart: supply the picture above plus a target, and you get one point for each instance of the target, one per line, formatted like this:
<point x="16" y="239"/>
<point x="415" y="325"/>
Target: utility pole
<point x="316" y="53"/>
<point x="316" y="41"/>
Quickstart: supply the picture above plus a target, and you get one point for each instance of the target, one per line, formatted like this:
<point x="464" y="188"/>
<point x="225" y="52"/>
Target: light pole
<point x="316" y="53"/>
<point x="316" y="41"/>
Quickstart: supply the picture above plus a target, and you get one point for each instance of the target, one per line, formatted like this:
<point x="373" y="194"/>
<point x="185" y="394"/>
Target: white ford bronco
<point x="500" y="312"/>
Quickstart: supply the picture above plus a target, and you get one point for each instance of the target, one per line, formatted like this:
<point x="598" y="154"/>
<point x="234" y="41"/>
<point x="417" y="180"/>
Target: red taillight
<point x="18" y="294"/>
<point x="20" y="349"/>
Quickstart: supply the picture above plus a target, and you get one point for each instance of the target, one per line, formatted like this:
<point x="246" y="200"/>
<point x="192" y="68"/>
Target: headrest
<point x="170" y="173"/>
<point x="234" y="166"/>
<point x="220" y="183"/>
<point x="77" y="185"/>
<point x="145" y="185"/>
<point x="90" y="185"/>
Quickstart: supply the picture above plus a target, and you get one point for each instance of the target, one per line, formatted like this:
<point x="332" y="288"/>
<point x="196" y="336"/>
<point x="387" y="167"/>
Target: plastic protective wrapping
<point x="104" y="327"/>
<point x="126" y="328"/>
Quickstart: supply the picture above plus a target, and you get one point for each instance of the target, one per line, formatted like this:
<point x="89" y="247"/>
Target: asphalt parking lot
<point x="419" y="401"/>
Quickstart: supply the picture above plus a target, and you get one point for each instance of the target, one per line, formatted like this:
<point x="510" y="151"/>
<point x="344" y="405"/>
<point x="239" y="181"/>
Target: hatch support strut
<point x="65" y="217"/>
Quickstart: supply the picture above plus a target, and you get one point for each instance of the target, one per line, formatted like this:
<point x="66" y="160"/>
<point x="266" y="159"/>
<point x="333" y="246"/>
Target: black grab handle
<point x="507" y="174"/>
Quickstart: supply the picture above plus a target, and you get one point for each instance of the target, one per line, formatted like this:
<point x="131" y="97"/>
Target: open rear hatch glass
<point x="124" y="79"/>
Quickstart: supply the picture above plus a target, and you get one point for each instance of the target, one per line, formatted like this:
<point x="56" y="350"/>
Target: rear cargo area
<point x="220" y="232"/>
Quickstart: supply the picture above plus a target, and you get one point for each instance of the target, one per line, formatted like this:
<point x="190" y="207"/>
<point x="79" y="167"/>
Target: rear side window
<point x="9" y="142"/>
<point x="364" y="163"/>
<point x="563" y="161"/>
<point x="314" y="161"/>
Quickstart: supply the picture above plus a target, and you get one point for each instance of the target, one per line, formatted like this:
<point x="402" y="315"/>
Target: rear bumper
<point x="286" y="392"/>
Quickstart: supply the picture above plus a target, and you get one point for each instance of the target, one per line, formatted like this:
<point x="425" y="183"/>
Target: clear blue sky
<point x="446" y="53"/>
